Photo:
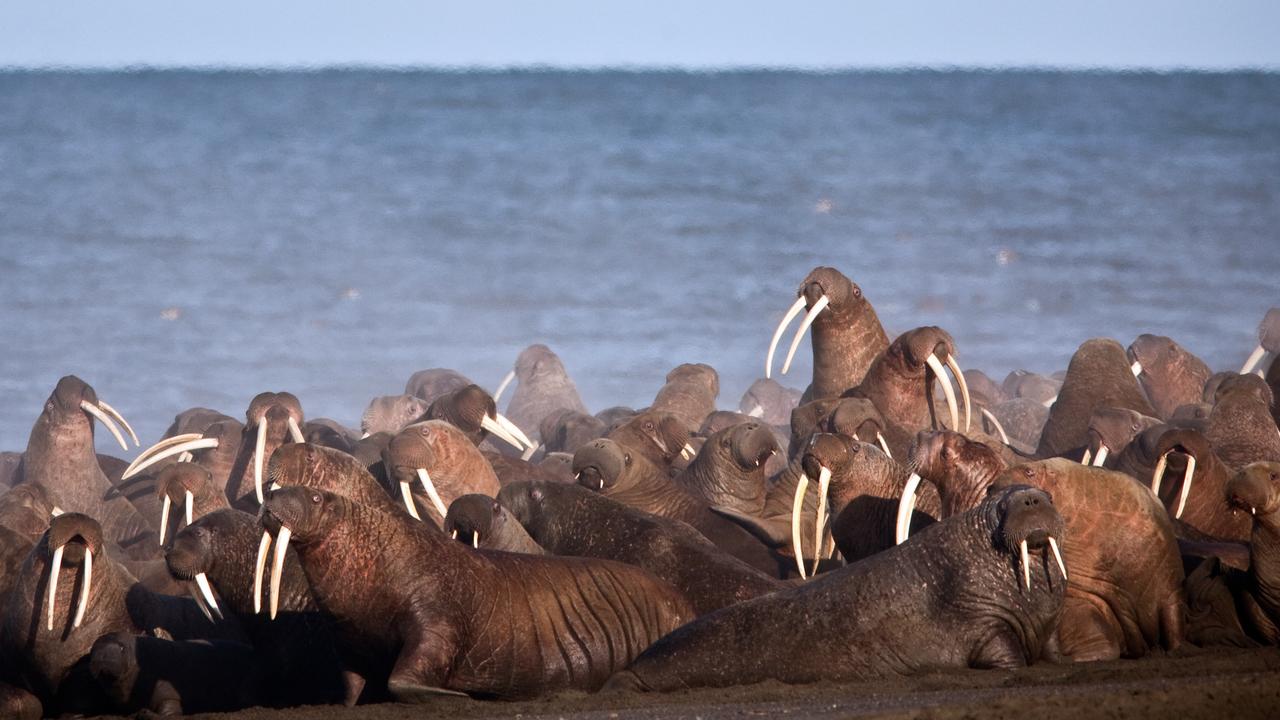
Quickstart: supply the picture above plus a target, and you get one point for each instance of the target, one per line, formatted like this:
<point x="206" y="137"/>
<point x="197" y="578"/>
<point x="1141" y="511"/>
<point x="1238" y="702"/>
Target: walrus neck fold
<point x="846" y="340"/>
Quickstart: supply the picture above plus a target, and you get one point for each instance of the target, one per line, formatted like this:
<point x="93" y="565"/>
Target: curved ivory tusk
<point x="475" y="540"/>
<point x="1158" y="474"/>
<point x="259" y="450"/>
<point x="1086" y="457"/>
<point x="1053" y="545"/>
<point x="1026" y="564"/>
<point x="430" y="487"/>
<point x="906" y="506"/>
<point x="1004" y="438"/>
<point x="820" y="518"/>
<point x="277" y="567"/>
<point x="259" y="568"/>
<point x="964" y="387"/>
<point x="1101" y="457"/>
<point x="792" y="312"/>
<point x="515" y="430"/>
<point x="796" y="505"/>
<point x="883" y="444"/>
<point x="189" y="502"/>
<point x="87" y="582"/>
<point x="167" y="442"/>
<point x="500" y="432"/>
<point x="106" y="421"/>
<point x="529" y="453"/>
<point x="198" y="444"/>
<point x="55" y="568"/>
<point x="202" y="581"/>
<point x="295" y="432"/>
<point x="1136" y="368"/>
<point x="1256" y="359"/>
<point x="408" y="500"/>
<point x="1186" y="485"/>
<point x="687" y="452"/>
<point x="502" y="386"/>
<point x="199" y="601"/>
<point x="818" y="307"/>
<point x="165" y="506"/>
<point x="120" y="418"/>
<point x="947" y="390"/>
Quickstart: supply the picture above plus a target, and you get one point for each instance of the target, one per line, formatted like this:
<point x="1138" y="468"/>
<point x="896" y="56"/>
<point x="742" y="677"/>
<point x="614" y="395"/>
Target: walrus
<point x="474" y="412"/>
<point x="189" y="488"/>
<point x="1110" y="432"/>
<point x="441" y="459"/>
<point x="769" y="401"/>
<point x="9" y="465"/>
<point x="1020" y="420"/>
<point x="567" y="430"/>
<point x="856" y="417"/>
<point x="194" y="420"/>
<point x="1255" y="489"/>
<point x="432" y="383"/>
<point x="566" y="623"/>
<point x="961" y="469"/>
<point x="1098" y="376"/>
<point x="1199" y="498"/>
<point x="138" y="673"/>
<point x="1240" y="427"/>
<point x="482" y="522"/>
<point x="1032" y="386"/>
<point x="1169" y="374"/>
<point x="1261" y="359"/>
<point x="571" y="520"/>
<point x="729" y="471"/>
<point x="982" y="589"/>
<point x="659" y="437"/>
<point x="543" y="386"/>
<point x="216" y="450"/>
<point x="847" y="334"/>
<point x="391" y="413"/>
<point x="689" y="394"/>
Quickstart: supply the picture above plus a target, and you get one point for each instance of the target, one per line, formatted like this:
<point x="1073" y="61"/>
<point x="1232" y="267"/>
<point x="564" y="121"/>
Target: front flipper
<point x="406" y="692"/>
<point x="422" y="669"/>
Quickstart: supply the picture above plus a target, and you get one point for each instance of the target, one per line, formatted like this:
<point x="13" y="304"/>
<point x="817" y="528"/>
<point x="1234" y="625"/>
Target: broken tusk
<point x="1086" y="457"/>
<point x="964" y="387"/>
<point x="947" y="390"/>
<point x="792" y="312"/>
<point x="804" y="327"/>
<point x="106" y="421"/>
<point x="687" y="452"/>
<point x="906" y="506"/>
<point x="796" y="505"/>
<point x="502" y="386"/>
<point x="430" y="487"/>
<point x="277" y="567"/>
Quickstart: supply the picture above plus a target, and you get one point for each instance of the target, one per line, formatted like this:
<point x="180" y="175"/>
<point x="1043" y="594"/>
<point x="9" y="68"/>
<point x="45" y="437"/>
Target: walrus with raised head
<point x="1098" y="376"/>
<point x="1171" y="376"/>
<point x="542" y="387"/>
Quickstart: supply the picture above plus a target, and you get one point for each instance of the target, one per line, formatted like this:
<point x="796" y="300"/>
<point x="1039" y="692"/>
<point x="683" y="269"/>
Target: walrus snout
<point x="752" y="445"/>
<point x="1255" y="488"/>
<point x="1028" y="521"/>
<point x="599" y="464"/>
<point x="110" y="659"/>
<point x="471" y="518"/>
<point x="187" y="555"/>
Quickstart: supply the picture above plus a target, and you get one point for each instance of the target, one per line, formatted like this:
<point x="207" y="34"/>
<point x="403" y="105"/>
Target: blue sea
<point x="184" y="238"/>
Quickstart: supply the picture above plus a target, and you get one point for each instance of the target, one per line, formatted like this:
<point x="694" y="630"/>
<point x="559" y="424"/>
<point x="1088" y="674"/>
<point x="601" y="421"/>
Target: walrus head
<point x="472" y="410"/>
<point x="916" y="353"/>
<point x="663" y="430"/>
<point x="183" y="484"/>
<point x="411" y="458"/>
<point x="472" y="518"/>
<point x="197" y="550"/>
<point x="74" y="404"/>
<point x="26" y="510"/>
<point x="1256" y="488"/>
<point x="1026" y="522"/>
<point x="1111" y="430"/>
<point x="294" y="512"/>
<point x="566" y="430"/>
<point x="826" y="455"/>
<point x="1188" y="445"/>
<point x="1268" y="344"/>
<point x="938" y="457"/>
<point x="824" y="289"/>
<point x="73" y="539"/>
<point x="1246" y="387"/>
<point x="857" y="418"/>
<point x="601" y="465"/>
<point x="1169" y="374"/>
<point x="390" y="413"/>
<point x="748" y="445"/>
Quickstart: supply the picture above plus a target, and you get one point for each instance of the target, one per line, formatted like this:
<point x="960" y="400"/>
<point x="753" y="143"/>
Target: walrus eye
<point x="626" y="458"/>
<point x="316" y="498"/>
<point x="857" y="291"/>
<point x="1027" y="471"/>
<point x="1134" y="427"/>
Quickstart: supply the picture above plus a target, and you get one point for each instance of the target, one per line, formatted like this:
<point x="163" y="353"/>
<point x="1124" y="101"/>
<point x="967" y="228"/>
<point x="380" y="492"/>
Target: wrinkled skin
<point x="329" y="434"/>
<point x="568" y="430"/>
<point x="1115" y="428"/>
<point x="542" y="387"/>
<point x="172" y="678"/>
<point x="1138" y="459"/>
<point x="1206" y="509"/>
<point x="689" y="394"/>
<point x="1124" y="595"/>
<point x="655" y="435"/>
<point x="571" y="520"/>
<point x="1241" y="428"/>
<point x="1031" y="386"/>
<point x="194" y="420"/>
<point x="220" y="460"/>
<point x="953" y="596"/>
<point x="431" y="629"/>
<point x="512" y="469"/>
<point x="723" y="420"/>
<point x="1170" y="375"/>
<point x="9" y="463"/>
<point x="431" y="384"/>
<point x="271" y="408"/>
<point x="769" y="401"/>
<point x="558" y="466"/>
<point x="1098" y="376"/>
<point x="1255" y="491"/>
<point x="481" y="521"/>
<point x="846" y="336"/>
<point x="961" y="469"/>
<point x="983" y="390"/>
<point x="729" y="470"/>
<point x="857" y="418"/>
<point x="453" y="462"/>
<point x="391" y="413"/>
<point x="321" y="468"/>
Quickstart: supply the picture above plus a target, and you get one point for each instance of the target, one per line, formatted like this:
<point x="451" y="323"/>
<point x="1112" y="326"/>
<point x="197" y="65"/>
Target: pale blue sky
<point x="720" y="33"/>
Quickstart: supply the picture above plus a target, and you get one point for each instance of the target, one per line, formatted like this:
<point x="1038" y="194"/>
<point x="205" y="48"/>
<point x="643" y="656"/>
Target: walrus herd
<point x="897" y="515"/>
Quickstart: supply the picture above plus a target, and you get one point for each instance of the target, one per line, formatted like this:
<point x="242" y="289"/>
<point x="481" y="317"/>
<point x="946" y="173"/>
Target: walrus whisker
<point x="106" y="421"/>
<point x="408" y="500"/>
<point x="1186" y="485"/>
<point x="964" y="387"/>
<point x="906" y="506"/>
<point x="259" y="568"/>
<point x="947" y="390"/>
<point x="167" y="442"/>
<point x="502" y="386"/>
<point x="1136" y="368"/>
<point x="1026" y="564"/>
<point x="202" y="581"/>
<point x="1158" y="474"/>
<point x="1256" y="360"/>
<point x="165" y="506"/>
<point x="883" y="444"/>
<point x="294" y="431"/>
<point x="277" y="567"/>
<point x="86" y="583"/>
<point x="1101" y="457"/>
<point x="809" y="317"/>
<point x="796" y="504"/>
<point x="430" y="487"/>
<point x="820" y="517"/>
<point x="55" y="568"/>
<point x="1053" y="545"/>
<point x="1004" y="438"/>
<point x="792" y="311"/>
<point x="259" y="450"/>
<point x="500" y="432"/>
<point x="199" y="443"/>
<point x="116" y="414"/>
<point x="515" y="430"/>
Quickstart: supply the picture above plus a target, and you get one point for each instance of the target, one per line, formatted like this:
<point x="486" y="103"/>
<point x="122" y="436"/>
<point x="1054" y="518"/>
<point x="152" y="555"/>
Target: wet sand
<point x="1189" y="686"/>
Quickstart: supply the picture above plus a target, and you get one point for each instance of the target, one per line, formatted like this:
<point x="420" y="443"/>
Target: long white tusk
<point x="687" y="452"/>
<point x="1053" y="545"/>
<point x="818" y="307"/>
<point x="86" y="582"/>
<point x="883" y="445"/>
<point x="820" y="519"/>
<point x="964" y="387"/>
<point x="199" y="443"/>
<point x="947" y="390"/>
<point x="408" y="500"/>
<point x="1026" y="564"/>
<point x="106" y="421"/>
<point x="277" y="567"/>
<point x="515" y="430"/>
<point x="116" y="414"/>
<point x="796" y="505"/>
<point x="1256" y="359"/>
<point x="1086" y="457"/>
<point x="1004" y="438"/>
<point x="259" y="450"/>
<point x="167" y="442"/>
<point x="1158" y="474"/>
<point x="54" y="569"/>
<point x="202" y="581"/>
<point x="199" y="601"/>
<point x="189" y="501"/>
<point x="1136" y="368"/>
<point x="1101" y="457"/>
<point x="295" y="431"/>
<point x="475" y="539"/>
<point x="259" y="568"/>
<point x="906" y="506"/>
<point x="430" y="487"/>
<point x="792" y="312"/>
<point x="164" y="518"/>
<point x="1186" y="485"/>
<point x="502" y="386"/>
<point x="500" y="432"/>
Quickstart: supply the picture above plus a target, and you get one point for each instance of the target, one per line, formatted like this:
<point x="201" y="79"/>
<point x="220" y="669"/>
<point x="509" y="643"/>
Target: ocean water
<point x="193" y="238"/>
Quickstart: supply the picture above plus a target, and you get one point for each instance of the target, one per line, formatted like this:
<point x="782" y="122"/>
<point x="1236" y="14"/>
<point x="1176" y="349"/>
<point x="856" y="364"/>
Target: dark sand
<point x="1219" y="684"/>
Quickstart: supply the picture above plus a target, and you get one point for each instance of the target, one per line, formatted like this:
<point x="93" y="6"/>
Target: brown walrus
<point x="542" y="387"/>
<point x="1240" y="427"/>
<point x="729" y="470"/>
<point x="1098" y="376"/>
<point x="1170" y="375"/>
<point x="482" y="522"/>
<point x="431" y="463"/>
<point x="689" y="394"/>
